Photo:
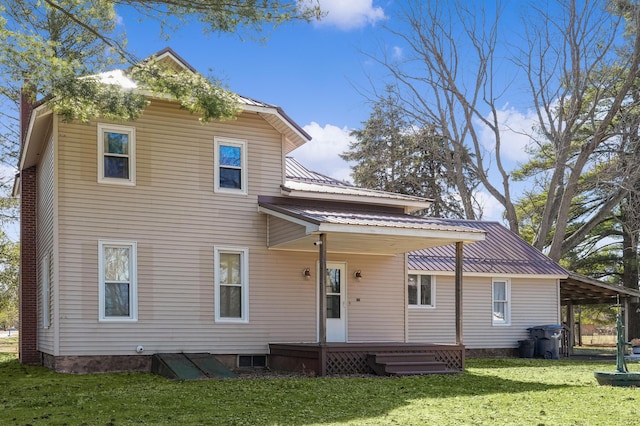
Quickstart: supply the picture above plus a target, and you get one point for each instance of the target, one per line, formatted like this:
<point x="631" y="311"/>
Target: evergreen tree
<point x="391" y="154"/>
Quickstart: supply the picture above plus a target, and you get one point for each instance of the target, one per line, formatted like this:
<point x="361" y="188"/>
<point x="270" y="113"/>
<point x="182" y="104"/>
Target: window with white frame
<point x="46" y="292"/>
<point x="501" y="290"/>
<point x="118" y="280"/>
<point x="230" y="165"/>
<point x="231" y="284"/>
<point x="116" y="154"/>
<point x="421" y="290"/>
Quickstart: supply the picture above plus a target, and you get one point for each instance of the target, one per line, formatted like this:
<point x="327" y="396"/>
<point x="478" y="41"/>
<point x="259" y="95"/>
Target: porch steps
<point x="406" y="364"/>
<point x="183" y="366"/>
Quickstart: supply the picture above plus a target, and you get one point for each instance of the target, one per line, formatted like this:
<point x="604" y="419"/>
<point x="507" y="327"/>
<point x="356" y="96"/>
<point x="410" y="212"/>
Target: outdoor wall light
<point x="357" y="274"/>
<point x="306" y="272"/>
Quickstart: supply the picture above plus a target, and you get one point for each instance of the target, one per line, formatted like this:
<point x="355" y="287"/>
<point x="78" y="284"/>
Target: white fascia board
<point x="276" y="113"/>
<point x="310" y="228"/>
<point x="403" y="232"/>
<point x="37" y="112"/>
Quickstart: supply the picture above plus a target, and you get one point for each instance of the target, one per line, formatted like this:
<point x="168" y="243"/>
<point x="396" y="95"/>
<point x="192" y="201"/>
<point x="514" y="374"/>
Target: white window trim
<point x="244" y="270"/>
<point x="46" y="292"/>
<point x="217" y="141"/>
<point x="507" y="320"/>
<point x="132" y="154"/>
<point x="433" y="292"/>
<point x="133" y="288"/>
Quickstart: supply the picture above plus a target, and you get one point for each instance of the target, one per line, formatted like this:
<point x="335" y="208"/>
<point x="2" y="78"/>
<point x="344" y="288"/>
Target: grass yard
<point x="9" y="344"/>
<point x="492" y="392"/>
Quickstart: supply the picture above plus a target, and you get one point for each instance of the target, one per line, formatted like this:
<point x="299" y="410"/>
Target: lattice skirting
<point x="355" y="362"/>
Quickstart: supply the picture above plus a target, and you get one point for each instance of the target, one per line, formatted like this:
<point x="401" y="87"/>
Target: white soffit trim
<point x="405" y="232"/>
<point x="37" y="113"/>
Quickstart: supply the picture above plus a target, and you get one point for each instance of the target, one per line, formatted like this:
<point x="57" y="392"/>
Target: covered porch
<point x="360" y="358"/>
<point x="343" y="228"/>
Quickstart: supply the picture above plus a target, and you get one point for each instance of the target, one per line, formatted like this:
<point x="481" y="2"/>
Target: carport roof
<point x="581" y="290"/>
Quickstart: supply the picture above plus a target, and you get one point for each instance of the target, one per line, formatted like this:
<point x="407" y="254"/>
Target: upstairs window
<point x="501" y="302"/>
<point x="230" y="168"/>
<point x="116" y="154"/>
<point x="421" y="290"/>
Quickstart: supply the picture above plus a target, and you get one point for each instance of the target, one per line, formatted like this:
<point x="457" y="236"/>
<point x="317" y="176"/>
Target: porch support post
<point x="458" y="285"/>
<point x="322" y="282"/>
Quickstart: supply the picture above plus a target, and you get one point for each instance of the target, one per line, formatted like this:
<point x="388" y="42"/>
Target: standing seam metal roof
<point x="363" y="218"/>
<point x="502" y="252"/>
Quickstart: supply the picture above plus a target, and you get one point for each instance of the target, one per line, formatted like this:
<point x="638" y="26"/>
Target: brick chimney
<point x="28" y="291"/>
<point x="27" y="99"/>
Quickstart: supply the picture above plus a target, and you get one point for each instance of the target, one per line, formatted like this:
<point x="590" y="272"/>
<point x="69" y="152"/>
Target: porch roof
<point x="353" y="228"/>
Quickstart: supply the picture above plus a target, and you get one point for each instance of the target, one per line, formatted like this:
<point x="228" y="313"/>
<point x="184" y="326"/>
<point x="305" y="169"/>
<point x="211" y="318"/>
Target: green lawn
<point x="495" y="392"/>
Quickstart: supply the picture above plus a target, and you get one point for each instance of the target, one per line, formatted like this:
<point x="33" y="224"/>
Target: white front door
<point x="336" y="302"/>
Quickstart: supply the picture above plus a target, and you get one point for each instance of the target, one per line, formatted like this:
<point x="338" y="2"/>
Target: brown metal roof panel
<point x="295" y="170"/>
<point x="499" y="244"/>
<point x="483" y="266"/>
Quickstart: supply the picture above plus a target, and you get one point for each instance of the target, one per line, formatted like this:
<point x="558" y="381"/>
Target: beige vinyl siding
<point x="534" y="301"/>
<point x="45" y="243"/>
<point x="281" y="231"/>
<point x="437" y="324"/>
<point x="375" y="303"/>
<point x="176" y="219"/>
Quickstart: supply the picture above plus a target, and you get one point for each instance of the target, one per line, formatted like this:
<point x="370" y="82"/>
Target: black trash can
<point x="547" y="340"/>
<point x="527" y="348"/>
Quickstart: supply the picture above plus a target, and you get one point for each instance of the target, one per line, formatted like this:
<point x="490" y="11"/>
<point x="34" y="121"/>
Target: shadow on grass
<point x="38" y="396"/>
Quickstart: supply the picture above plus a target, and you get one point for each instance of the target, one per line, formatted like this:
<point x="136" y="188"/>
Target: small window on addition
<point x="252" y="361"/>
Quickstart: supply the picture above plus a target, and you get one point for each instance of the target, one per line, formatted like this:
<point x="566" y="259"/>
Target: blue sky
<point x="313" y="71"/>
<point x="318" y="73"/>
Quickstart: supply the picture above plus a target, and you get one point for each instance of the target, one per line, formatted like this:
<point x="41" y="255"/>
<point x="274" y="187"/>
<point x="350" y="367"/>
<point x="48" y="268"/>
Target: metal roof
<point x="358" y="216"/>
<point x="501" y="252"/>
<point x="358" y="228"/>
<point x="581" y="290"/>
<point x="302" y="182"/>
<point x="296" y="171"/>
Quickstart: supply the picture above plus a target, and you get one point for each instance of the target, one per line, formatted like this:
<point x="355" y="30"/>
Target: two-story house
<point x="164" y="235"/>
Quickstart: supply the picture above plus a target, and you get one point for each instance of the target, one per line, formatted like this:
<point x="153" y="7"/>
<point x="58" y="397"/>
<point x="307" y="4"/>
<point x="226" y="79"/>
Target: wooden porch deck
<point x="351" y="358"/>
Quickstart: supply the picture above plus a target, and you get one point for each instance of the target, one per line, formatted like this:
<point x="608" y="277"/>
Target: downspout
<point x="458" y="285"/>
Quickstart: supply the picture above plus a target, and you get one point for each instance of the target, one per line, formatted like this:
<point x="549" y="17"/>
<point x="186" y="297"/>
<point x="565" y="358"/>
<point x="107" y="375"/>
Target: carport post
<point x="459" y="322"/>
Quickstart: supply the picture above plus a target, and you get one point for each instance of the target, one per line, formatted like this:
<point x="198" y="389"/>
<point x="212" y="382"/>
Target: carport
<point x="579" y="290"/>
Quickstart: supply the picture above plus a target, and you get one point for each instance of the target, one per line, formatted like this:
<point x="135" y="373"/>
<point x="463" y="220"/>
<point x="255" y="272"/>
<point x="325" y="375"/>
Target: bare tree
<point x="452" y="74"/>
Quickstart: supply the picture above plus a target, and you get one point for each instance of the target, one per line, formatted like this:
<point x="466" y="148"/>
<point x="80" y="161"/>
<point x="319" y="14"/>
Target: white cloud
<point x="397" y="52"/>
<point x="350" y="14"/>
<point x="491" y="208"/>
<point x="515" y="128"/>
<point x="322" y="153"/>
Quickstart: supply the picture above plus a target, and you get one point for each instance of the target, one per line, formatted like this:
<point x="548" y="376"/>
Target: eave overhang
<point x="351" y="194"/>
<point x="39" y="126"/>
<point x="360" y="232"/>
